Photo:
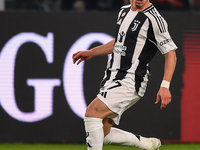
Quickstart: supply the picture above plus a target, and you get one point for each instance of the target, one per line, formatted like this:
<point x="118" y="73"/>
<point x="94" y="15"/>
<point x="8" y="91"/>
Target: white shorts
<point x="118" y="96"/>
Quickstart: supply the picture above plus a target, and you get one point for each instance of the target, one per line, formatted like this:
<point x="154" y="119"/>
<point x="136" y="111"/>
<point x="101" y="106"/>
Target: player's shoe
<point x="156" y="143"/>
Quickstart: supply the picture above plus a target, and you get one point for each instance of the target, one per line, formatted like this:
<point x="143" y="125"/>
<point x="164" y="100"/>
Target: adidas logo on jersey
<point x="119" y="22"/>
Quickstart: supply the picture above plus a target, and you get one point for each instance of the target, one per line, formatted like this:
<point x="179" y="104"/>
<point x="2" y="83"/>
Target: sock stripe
<point x="137" y="136"/>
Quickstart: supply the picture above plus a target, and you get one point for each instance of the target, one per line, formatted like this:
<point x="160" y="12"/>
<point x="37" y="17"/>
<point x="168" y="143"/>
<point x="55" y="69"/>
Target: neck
<point x="135" y="7"/>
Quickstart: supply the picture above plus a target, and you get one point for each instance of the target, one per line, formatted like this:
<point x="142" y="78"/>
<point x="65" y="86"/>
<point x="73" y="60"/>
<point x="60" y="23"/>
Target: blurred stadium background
<point x="43" y="95"/>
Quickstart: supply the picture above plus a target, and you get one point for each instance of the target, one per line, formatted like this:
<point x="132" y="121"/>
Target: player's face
<point x="139" y="5"/>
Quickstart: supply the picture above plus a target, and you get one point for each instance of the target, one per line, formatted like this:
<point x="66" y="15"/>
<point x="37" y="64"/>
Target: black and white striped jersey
<point x="138" y="37"/>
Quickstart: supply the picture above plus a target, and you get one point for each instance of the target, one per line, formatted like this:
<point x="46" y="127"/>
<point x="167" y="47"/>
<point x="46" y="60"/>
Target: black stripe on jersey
<point x="130" y="42"/>
<point x="126" y="10"/>
<point x="157" y="17"/>
<point x="123" y="13"/>
<point x="148" y="52"/>
<point x="162" y="24"/>
<point x="108" y="73"/>
<point x="158" y="20"/>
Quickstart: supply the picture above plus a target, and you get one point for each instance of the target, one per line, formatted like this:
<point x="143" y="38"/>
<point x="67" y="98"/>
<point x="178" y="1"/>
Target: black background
<point x="144" y="118"/>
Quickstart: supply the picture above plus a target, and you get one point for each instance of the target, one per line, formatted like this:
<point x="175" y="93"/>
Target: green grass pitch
<point x="20" y="146"/>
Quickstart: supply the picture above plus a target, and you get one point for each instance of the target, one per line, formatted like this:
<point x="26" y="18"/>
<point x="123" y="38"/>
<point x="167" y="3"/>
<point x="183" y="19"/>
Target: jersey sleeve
<point x="162" y="38"/>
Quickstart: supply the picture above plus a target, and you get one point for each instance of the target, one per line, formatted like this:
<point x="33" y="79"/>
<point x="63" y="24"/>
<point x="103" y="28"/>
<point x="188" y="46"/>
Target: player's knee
<point x="93" y="111"/>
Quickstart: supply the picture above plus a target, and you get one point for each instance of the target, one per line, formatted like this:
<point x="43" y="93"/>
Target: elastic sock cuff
<point x="92" y="124"/>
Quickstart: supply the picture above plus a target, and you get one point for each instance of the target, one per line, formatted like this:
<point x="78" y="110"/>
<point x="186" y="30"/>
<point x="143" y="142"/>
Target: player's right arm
<point x="96" y="51"/>
<point x="164" y="92"/>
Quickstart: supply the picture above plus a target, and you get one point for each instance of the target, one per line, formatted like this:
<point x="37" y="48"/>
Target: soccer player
<point x="140" y="32"/>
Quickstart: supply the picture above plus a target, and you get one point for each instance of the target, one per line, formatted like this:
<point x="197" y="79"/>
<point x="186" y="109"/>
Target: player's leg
<point x="120" y="137"/>
<point x="95" y="113"/>
<point x="116" y="136"/>
<point x="119" y="103"/>
<point x="101" y="107"/>
<point x="107" y="124"/>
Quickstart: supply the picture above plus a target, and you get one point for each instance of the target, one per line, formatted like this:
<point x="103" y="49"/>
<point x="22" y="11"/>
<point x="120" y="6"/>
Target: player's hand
<point x="165" y="96"/>
<point x="81" y="56"/>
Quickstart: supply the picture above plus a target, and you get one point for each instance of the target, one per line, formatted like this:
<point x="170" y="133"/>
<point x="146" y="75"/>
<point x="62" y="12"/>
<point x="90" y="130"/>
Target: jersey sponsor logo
<point x="165" y="42"/>
<point x="136" y="23"/>
<point x="121" y="36"/>
<point x="120" y="49"/>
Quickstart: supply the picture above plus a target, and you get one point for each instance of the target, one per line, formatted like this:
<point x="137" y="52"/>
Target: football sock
<point x="120" y="137"/>
<point x="94" y="133"/>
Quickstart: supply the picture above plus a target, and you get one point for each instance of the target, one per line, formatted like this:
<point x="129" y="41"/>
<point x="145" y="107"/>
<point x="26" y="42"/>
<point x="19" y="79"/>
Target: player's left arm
<point x="164" y="93"/>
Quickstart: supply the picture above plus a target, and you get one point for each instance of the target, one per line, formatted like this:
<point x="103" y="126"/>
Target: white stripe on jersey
<point x="123" y="28"/>
<point x="139" y="46"/>
<point x="138" y="36"/>
<point x="160" y="30"/>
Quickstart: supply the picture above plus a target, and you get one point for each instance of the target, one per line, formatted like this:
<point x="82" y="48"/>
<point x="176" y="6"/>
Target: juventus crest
<point x="136" y="23"/>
